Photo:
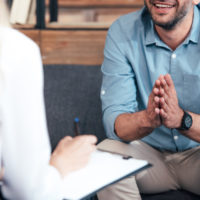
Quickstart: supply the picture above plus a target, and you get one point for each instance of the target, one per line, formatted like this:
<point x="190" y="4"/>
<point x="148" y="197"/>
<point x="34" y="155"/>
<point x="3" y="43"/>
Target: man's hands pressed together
<point x="162" y="109"/>
<point x="166" y="98"/>
<point x="167" y="109"/>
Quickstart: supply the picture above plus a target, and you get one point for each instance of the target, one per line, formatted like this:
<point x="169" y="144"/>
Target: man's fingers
<point x="157" y="83"/>
<point x="163" y="82"/>
<point x="162" y="101"/>
<point x="169" y="80"/>
<point x="156" y="100"/>
<point x="157" y="111"/>
<point x="156" y="91"/>
<point x="163" y="114"/>
<point x="161" y="92"/>
<point x="163" y="104"/>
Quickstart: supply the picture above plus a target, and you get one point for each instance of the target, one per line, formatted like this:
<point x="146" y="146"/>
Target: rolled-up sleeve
<point x="118" y="92"/>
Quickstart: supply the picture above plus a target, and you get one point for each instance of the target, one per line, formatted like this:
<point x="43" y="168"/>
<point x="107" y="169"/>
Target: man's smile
<point x="162" y="7"/>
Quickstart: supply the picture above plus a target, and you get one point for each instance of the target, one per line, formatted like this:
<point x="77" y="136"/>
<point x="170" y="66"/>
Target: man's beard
<point x="171" y="24"/>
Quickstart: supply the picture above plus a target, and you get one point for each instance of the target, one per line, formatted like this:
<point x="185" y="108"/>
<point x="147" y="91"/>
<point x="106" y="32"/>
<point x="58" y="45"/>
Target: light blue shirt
<point x="134" y="57"/>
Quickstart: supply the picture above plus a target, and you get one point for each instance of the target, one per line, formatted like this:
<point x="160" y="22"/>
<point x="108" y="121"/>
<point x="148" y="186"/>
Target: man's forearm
<point x="133" y="126"/>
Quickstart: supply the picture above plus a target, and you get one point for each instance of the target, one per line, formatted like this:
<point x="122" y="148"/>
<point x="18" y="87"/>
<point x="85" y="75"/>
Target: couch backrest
<point x="73" y="91"/>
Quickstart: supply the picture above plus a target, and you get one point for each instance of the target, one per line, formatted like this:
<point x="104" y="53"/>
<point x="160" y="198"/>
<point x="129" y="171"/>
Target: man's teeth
<point x="163" y="6"/>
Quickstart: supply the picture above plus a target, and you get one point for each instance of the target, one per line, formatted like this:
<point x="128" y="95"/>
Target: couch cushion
<point x="171" y="195"/>
<point x="73" y="91"/>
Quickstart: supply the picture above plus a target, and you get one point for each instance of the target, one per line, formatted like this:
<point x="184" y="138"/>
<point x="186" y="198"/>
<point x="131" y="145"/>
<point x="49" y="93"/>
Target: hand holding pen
<point x="73" y="153"/>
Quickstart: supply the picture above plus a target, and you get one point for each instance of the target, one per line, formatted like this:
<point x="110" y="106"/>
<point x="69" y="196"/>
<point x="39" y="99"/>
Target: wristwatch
<point x="186" y="122"/>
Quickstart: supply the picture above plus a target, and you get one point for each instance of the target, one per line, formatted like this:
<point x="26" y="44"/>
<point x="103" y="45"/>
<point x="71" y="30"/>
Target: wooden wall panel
<point x="101" y="3"/>
<point x="72" y="15"/>
<point x="72" y="47"/>
<point x="33" y="34"/>
<point x="99" y="11"/>
<point x="79" y="37"/>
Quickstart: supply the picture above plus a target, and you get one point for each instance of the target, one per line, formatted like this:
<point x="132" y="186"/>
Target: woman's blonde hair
<point x="4" y="14"/>
<point x="4" y="21"/>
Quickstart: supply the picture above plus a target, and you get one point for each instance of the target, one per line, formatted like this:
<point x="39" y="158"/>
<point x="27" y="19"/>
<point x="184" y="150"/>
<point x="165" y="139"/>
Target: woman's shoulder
<point x="13" y="38"/>
<point x="17" y="51"/>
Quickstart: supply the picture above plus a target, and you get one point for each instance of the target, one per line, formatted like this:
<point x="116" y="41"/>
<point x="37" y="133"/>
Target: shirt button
<point x="175" y="137"/>
<point x="103" y="92"/>
<point x="173" y="55"/>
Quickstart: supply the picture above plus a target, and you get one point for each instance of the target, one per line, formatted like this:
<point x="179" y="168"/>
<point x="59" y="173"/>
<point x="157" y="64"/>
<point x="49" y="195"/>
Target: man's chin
<point x="165" y="25"/>
<point x="164" y="22"/>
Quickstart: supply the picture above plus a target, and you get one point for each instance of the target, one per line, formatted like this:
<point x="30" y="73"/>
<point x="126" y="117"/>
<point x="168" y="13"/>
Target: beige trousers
<point x="170" y="171"/>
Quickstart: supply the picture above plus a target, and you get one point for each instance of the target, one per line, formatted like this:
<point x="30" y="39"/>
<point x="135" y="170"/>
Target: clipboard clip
<point x="127" y="157"/>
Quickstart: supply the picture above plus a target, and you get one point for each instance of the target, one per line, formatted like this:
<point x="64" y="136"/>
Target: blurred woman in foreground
<point x="30" y="172"/>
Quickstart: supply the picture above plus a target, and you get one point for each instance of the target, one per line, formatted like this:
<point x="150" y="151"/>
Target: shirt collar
<point x="194" y="34"/>
<point x="148" y="28"/>
<point x="153" y="38"/>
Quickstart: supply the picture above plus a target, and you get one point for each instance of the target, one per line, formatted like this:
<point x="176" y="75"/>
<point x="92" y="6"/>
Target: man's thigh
<point x="125" y="189"/>
<point x="155" y="179"/>
<point x="188" y="167"/>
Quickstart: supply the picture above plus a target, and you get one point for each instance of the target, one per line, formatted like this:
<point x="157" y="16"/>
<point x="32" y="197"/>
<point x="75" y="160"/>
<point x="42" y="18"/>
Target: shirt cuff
<point x="109" y="124"/>
<point x="53" y="184"/>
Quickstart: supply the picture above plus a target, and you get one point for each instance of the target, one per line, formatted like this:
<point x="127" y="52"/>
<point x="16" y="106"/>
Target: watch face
<point x="188" y="121"/>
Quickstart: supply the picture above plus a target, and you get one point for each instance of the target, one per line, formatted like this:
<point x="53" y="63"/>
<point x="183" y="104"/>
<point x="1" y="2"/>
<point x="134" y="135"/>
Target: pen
<point x="125" y="157"/>
<point x="76" y="126"/>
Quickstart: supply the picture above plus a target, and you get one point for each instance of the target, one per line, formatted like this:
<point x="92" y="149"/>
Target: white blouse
<point x="25" y="147"/>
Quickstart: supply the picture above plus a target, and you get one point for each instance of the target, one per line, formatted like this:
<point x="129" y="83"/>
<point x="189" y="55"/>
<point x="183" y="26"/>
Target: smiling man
<point x="150" y="96"/>
<point x="167" y="14"/>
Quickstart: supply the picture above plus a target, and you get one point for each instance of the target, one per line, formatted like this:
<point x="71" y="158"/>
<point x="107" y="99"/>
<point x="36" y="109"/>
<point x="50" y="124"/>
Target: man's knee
<point x="123" y="190"/>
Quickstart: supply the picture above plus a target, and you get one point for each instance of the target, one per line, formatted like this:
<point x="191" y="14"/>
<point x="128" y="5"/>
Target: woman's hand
<point x="73" y="153"/>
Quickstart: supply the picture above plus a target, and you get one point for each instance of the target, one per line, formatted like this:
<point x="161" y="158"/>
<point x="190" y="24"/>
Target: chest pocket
<point x="191" y="93"/>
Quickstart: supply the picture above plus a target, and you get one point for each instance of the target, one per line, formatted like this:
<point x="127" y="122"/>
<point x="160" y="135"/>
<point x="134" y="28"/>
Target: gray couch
<point x="73" y="91"/>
